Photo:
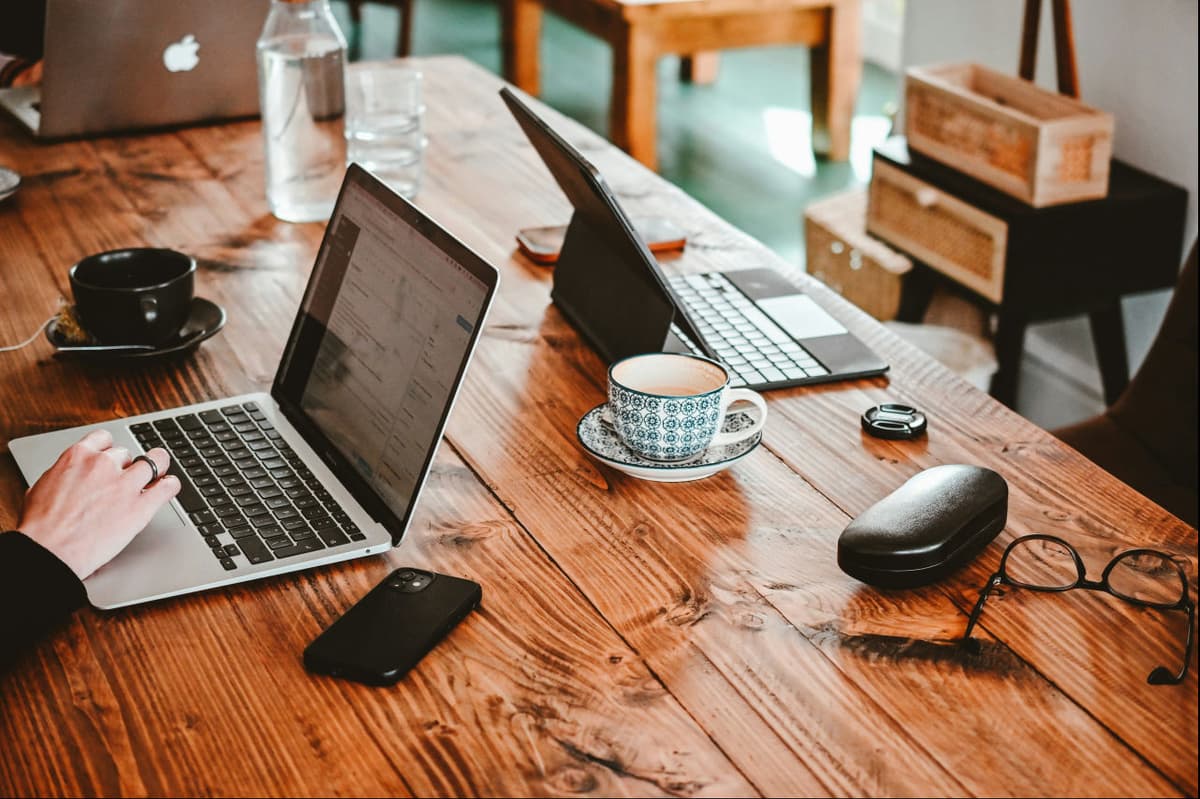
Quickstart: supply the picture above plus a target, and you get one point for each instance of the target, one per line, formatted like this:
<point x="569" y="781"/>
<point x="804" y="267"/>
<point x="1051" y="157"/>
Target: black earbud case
<point x="927" y="528"/>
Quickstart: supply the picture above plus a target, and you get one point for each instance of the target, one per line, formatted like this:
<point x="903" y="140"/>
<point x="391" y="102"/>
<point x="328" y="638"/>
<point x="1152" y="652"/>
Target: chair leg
<point x="520" y="32"/>
<point x="404" y="41"/>
<point x="354" y="40"/>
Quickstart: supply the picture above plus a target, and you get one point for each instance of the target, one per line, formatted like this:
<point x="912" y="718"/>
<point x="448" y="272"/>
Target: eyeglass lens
<point x="1041" y="563"/>
<point x="1146" y="577"/>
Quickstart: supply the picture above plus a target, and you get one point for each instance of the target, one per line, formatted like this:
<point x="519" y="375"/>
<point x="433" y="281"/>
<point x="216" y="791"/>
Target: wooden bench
<point x="640" y="31"/>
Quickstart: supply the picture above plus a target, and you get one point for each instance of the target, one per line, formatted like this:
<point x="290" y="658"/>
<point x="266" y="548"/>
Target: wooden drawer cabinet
<point x="951" y="236"/>
<point x="1029" y="264"/>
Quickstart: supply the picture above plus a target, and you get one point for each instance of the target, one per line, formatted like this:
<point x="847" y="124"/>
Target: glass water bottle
<point x="301" y="86"/>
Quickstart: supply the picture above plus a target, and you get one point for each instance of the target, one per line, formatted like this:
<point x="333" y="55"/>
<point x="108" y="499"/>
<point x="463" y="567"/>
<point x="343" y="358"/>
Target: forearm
<point x="37" y="592"/>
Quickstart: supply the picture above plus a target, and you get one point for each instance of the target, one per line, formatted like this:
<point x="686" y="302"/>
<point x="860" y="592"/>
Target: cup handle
<point x="722" y="439"/>
<point x="150" y="309"/>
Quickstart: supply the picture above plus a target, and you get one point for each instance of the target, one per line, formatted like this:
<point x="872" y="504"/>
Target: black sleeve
<point x="37" y="592"/>
<point x="22" y="26"/>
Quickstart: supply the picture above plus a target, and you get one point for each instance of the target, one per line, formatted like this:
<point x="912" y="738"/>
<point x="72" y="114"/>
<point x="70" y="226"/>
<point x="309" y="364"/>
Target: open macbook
<point x="114" y="65"/>
<point x="329" y="464"/>
<point x="608" y="284"/>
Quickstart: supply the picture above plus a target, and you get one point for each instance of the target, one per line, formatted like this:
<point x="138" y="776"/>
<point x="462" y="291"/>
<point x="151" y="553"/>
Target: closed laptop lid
<point x="114" y="65"/>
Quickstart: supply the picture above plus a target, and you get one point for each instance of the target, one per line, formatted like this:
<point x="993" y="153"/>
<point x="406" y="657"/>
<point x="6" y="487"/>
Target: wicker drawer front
<point x="955" y="238"/>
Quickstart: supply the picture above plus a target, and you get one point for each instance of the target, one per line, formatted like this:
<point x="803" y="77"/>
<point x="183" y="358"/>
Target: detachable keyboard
<point x="755" y="349"/>
<point x="241" y="480"/>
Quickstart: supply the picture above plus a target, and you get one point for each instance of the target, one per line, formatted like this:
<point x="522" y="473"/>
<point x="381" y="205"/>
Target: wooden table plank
<point x="716" y="575"/>
<point x="1053" y="489"/>
<point x="636" y="638"/>
<point x="165" y="667"/>
<point x="869" y="393"/>
<point x="534" y="694"/>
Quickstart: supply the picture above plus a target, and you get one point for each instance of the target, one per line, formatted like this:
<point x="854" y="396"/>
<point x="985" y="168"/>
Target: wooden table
<point x="635" y="638"/>
<point x="642" y="31"/>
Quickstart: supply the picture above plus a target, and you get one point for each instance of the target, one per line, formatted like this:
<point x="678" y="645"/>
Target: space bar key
<point x="189" y="498"/>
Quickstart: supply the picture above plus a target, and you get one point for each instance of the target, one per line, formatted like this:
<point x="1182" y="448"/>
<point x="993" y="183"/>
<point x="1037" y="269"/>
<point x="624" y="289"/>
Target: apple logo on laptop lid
<point x="181" y="56"/>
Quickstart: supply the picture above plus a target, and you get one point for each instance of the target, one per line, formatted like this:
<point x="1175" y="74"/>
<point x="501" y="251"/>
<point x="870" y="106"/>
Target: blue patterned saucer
<point x="598" y="437"/>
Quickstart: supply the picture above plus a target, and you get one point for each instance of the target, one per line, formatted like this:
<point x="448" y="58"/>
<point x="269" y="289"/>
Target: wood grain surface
<point x="635" y="638"/>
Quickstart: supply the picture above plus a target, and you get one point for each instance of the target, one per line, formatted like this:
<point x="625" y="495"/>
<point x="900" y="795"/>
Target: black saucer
<point x="205" y="321"/>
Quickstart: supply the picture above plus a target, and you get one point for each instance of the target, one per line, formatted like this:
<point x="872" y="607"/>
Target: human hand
<point x="29" y="76"/>
<point x="91" y="503"/>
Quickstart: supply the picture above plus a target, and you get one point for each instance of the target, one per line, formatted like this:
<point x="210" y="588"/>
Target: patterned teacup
<point x="669" y="407"/>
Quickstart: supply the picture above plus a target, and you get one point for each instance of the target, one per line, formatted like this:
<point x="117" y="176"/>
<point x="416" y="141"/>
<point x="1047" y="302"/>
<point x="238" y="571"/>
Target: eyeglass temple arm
<point x="993" y="581"/>
<point x="1162" y="675"/>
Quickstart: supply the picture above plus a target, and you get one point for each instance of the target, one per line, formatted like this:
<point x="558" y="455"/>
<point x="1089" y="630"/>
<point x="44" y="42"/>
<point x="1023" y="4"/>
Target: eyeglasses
<point x="1139" y="576"/>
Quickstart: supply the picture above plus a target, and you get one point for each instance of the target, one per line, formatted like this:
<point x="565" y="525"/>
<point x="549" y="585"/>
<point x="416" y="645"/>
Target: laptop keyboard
<point x="756" y="350"/>
<point x="248" y="493"/>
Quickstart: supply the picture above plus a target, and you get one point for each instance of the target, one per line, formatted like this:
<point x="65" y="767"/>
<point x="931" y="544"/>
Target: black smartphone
<point x="542" y="244"/>
<point x="391" y="628"/>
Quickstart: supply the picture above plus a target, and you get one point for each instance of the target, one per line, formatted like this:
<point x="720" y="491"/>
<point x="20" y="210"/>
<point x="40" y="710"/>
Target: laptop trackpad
<point x="800" y="316"/>
<point x="161" y="559"/>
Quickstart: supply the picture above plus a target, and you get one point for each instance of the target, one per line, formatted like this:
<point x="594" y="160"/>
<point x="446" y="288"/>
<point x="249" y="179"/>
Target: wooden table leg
<point x="836" y="71"/>
<point x="700" y="67"/>
<point x="1010" y="345"/>
<point x="1108" y="337"/>
<point x="634" y="95"/>
<point x="521" y="31"/>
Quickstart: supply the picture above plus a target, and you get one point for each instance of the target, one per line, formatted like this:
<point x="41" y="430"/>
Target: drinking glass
<point x="384" y="130"/>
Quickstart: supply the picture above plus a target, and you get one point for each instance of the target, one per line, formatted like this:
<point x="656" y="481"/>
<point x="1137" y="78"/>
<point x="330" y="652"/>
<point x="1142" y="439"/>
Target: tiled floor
<point x="740" y="146"/>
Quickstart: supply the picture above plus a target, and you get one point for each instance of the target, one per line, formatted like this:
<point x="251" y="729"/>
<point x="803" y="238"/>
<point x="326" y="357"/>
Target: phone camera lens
<point x="406" y="575"/>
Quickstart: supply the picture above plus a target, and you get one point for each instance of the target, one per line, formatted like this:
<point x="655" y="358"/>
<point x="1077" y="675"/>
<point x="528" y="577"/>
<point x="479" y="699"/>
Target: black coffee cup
<point x="139" y="295"/>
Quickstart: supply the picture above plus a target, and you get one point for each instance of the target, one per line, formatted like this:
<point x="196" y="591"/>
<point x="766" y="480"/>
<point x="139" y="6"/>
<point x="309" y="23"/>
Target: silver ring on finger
<point x="153" y="468"/>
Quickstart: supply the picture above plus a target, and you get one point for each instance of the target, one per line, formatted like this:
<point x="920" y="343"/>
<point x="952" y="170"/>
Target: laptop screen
<point x="391" y="314"/>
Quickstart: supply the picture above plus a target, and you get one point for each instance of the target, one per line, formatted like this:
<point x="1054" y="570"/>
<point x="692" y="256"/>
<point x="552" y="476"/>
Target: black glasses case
<point x="935" y="523"/>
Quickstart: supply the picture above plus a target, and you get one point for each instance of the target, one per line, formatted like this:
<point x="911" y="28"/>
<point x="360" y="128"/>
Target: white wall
<point x="1137" y="60"/>
<point x="883" y="33"/>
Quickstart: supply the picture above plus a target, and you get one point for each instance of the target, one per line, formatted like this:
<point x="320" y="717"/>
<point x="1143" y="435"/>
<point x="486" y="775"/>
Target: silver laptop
<point x="328" y="465"/>
<point x="115" y="65"/>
